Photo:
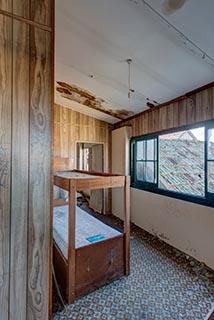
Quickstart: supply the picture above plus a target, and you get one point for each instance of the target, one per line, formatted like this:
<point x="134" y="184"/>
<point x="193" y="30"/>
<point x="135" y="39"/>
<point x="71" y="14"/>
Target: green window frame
<point x="209" y="162"/>
<point x="145" y="167"/>
<point x="146" y="160"/>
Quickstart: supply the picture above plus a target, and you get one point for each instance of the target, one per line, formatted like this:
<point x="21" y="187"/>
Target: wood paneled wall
<point x="26" y="62"/>
<point x="196" y="108"/>
<point x="71" y="126"/>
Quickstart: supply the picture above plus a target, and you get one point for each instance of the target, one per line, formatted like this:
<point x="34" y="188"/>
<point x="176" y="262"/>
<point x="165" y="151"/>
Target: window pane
<point x="150" y="172"/>
<point x="211" y="144"/>
<point x="210" y="175"/>
<point x="140" y="170"/>
<point x="141" y="150"/>
<point x="151" y="149"/>
<point x="181" y="167"/>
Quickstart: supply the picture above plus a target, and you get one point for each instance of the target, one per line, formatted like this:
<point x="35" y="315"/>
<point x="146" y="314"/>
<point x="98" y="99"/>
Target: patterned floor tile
<point x="164" y="284"/>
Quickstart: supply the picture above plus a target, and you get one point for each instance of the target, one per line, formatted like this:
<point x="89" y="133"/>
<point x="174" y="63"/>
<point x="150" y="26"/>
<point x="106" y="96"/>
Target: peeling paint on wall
<point x="88" y="99"/>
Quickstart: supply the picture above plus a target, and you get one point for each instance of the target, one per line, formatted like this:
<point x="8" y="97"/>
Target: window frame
<point x="155" y="161"/>
<point x="208" y="194"/>
<point x="207" y="199"/>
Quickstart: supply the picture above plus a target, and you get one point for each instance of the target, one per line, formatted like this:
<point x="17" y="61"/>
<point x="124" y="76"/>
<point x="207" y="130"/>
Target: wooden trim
<point x="24" y="20"/>
<point x="127" y="225"/>
<point x="61" y="182"/>
<point x="71" y="242"/>
<point x="6" y="66"/>
<point x="52" y="164"/>
<point x="100" y="183"/>
<point x="210" y="315"/>
<point x="178" y="99"/>
<point x="205" y="87"/>
<point x="109" y="270"/>
<point x="59" y="202"/>
<point x="60" y="268"/>
<point x="95" y="173"/>
<point x="59" y="252"/>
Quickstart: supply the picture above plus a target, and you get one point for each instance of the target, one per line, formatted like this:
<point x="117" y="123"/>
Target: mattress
<point x="88" y="229"/>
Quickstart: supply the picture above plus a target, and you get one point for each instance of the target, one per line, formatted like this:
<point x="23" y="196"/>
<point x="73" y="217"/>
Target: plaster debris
<point x="88" y="99"/>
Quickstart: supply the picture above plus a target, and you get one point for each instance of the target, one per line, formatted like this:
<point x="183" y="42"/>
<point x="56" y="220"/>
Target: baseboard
<point x="210" y="315"/>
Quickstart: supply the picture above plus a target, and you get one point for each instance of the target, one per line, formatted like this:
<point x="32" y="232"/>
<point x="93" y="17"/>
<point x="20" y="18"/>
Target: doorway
<point x="90" y="157"/>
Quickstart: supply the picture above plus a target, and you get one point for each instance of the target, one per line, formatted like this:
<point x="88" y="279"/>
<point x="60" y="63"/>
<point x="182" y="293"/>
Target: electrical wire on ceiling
<point x="130" y="90"/>
<point x="186" y="41"/>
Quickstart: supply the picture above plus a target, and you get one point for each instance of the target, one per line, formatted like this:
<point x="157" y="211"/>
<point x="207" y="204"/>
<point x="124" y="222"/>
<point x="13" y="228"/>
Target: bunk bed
<point x="89" y="263"/>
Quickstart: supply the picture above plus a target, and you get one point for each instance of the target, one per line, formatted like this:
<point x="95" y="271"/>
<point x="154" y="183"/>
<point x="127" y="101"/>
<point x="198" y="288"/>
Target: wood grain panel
<point x="40" y="167"/>
<point x="199" y="116"/>
<point x="5" y="158"/>
<point x="196" y="107"/>
<point x="170" y="116"/>
<point x="182" y="113"/>
<point x="19" y="197"/>
<point x="6" y="5"/>
<point x="71" y="242"/>
<point x="207" y="98"/>
<point x="145" y="124"/>
<point x="22" y="8"/>
<point x="71" y="126"/>
<point x="190" y="111"/>
<point x="15" y="57"/>
<point x="175" y="114"/>
<point x="162" y="119"/>
<point x="99" y="264"/>
<point x="18" y="285"/>
<point x="4" y="296"/>
<point x="41" y="11"/>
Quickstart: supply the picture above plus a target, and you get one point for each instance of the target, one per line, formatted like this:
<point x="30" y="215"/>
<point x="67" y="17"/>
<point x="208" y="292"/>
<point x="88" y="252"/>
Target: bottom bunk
<point x="99" y="251"/>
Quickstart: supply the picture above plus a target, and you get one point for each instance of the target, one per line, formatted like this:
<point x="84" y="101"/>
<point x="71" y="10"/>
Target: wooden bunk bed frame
<point x="90" y="267"/>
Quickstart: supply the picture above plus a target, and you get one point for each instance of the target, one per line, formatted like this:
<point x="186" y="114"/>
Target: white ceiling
<point x="172" y="54"/>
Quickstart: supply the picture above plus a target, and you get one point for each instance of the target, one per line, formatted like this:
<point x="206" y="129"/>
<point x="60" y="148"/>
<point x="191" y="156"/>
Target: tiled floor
<point x="164" y="284"/>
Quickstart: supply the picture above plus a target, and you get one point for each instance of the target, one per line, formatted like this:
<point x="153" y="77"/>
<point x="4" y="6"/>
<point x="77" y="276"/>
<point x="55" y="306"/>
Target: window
<point x="178" y="163"/>
<point x="146" y="160"/>
<point x="181" y="162"/>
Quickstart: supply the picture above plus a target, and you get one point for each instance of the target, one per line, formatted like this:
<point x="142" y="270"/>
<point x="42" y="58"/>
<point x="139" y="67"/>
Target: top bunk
<point x="83" y="180"/>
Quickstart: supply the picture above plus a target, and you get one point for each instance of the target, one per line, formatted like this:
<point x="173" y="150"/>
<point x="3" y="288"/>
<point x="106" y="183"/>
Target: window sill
<point x="198" y="200"/>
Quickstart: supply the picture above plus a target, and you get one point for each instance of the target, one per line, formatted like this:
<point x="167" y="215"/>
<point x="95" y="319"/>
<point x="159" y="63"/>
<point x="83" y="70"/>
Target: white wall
<point x="120" y="165"/>
<point x="184" y="225"/>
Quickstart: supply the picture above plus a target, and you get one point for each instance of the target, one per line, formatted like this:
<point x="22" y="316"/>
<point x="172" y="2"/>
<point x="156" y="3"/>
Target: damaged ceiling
<point x="86" y="98"/>
<point x="170" y="43"/>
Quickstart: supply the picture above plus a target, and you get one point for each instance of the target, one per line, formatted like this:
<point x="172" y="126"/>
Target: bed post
<point x="127" y="224"/>
<point x="71" y="242"/>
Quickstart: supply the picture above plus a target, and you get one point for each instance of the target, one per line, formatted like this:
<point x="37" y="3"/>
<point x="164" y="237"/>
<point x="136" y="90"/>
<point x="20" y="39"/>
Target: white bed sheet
<point x="86" y="226"/>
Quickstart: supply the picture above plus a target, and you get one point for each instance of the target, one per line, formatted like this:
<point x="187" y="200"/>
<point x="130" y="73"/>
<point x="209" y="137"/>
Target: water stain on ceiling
<point x="170" y="6"/>
<point x="88" y="99"/>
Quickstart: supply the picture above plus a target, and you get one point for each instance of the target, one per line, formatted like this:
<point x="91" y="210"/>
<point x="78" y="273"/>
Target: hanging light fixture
<point x="129" y="61"/>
